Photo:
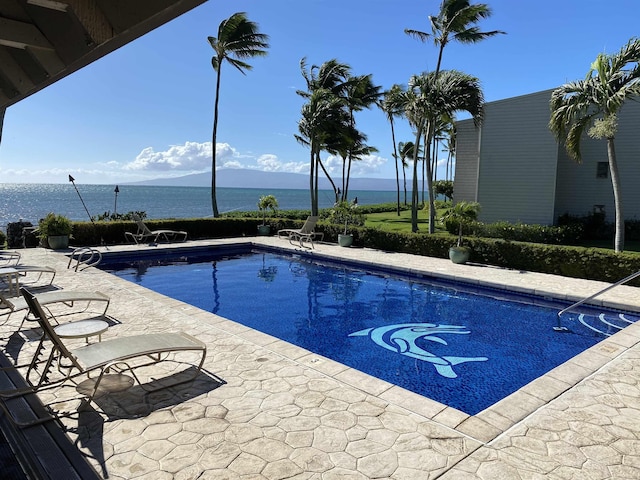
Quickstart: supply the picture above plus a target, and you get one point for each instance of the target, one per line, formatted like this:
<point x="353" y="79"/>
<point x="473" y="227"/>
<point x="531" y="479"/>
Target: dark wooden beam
<point x="14" y="74"/>
<point x="49" y="60"/>
<point x="124" y="14"/>
<point x="21" y="35"/>
<point x="42" y="41"/>
<point x="63" y="29"/>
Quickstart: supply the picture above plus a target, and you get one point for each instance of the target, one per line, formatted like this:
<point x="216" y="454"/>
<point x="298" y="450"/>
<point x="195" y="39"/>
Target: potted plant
<point x="54" y="231"/>
<point x="266" y="202"/>
<point x="461" y="212"/>
<point x="346" y="213"/>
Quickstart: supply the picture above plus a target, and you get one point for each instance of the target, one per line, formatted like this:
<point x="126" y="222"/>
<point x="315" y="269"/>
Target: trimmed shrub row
<point x="570" y="230"/>
<point x="569" y="234"/>
<point x="578" y="262"/>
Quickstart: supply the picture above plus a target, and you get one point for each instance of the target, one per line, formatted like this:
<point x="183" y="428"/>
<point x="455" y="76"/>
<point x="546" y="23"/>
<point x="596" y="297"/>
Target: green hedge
<point x="568" y="234"/>
<point x="112" y="233"/>
<point x="578" y="262"/>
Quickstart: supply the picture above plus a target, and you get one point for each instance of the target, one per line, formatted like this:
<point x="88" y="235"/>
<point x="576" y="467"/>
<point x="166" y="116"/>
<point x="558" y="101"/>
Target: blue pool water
<point x="460" y="345"/>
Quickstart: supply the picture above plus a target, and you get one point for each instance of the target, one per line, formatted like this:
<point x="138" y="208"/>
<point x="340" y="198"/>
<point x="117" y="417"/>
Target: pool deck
<point x="282" y="412"/>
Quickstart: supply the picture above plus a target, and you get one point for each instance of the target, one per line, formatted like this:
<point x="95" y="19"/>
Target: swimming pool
<point x="463" y="346"/>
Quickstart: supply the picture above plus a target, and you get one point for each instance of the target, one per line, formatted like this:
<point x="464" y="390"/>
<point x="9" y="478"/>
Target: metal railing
<point x="584" y="300"/>
<point x="85" y="256"/>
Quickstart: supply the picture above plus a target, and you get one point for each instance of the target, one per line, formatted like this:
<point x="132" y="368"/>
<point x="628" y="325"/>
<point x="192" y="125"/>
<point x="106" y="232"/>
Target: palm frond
<point x="238" y="38"/>
<point x="417" y="34"/>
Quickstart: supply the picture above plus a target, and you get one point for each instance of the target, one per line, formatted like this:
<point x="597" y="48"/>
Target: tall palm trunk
<point x="333" y="185"/>
<point x="343" y="196"/>
<point x="312" y="172"/>
<point x="414" y="191"/>
<point x="432" y="203"/>
<point x="346" y="186"/>
<point x="434" y="160"/>
<point x="395" y="156"/>
<point x="617" y="195"/>
<point x="316" y="207"/>
<point x="404" y="181"/>
<point x="214" y="134"/>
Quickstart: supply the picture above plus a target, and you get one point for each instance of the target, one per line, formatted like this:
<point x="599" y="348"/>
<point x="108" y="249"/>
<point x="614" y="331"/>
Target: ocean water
<point x="30" y="202"/>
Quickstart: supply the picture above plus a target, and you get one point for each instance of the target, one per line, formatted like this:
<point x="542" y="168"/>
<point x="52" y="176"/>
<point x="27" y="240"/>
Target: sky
<point x="145" y="111"/>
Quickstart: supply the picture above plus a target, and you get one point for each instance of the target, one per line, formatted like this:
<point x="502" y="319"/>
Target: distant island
<point x="245" y="178"/>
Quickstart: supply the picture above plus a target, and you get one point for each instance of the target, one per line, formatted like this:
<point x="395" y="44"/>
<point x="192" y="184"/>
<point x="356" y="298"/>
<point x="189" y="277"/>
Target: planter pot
<point x="345" y="240"/>
<point x="58" y="242"/>
<point x="264" y="230"/>
<point x="459" y="254"/>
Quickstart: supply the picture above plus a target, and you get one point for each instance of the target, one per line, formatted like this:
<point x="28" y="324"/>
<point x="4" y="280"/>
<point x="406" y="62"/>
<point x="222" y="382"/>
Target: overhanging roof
<point x="42" y="41"/>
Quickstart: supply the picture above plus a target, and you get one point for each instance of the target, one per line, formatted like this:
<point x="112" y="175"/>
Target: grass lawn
<point x="391" y="222"/>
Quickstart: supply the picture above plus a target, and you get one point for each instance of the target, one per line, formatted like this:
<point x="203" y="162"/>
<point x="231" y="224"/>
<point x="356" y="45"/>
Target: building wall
<point x="466" y="174"/>
<point x="517" y="172"/>
<point x="579" y="189"/>
<point x="522" y="174"/>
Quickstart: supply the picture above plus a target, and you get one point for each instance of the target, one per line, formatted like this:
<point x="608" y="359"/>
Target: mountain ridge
<point x="246" y="178"/>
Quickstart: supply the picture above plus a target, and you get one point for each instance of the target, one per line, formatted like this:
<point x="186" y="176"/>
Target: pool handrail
<point x="86" y="256"/>
<point x="606" y="289"/>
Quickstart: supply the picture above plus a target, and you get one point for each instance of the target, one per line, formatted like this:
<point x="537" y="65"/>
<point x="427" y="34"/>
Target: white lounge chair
<point x="145" y="235"/>
<point x="68" y="298"/>
<point x="304" y="234"/>
<point x="16" y="275"/>
<point x="123" y="354"/>
<point x="8" y="258"/>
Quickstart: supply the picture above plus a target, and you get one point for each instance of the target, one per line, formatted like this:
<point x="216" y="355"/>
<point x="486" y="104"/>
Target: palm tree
<point x="451" y="150"/>
<point x="391" y="105"/>
<point x="238" y="39"/>
<point x="405" y="152"/>
<point x="359" y="93"/>
<point x="592" y="104"/>
<point x="323" y="119"/>
<point x="352" y="147"/>
<point x="331" y="75"/>
<point x="344" y="92"/>
<point x="429" y="98"/>
<point x="457" y="20"/>
<point x="461" y="213"/>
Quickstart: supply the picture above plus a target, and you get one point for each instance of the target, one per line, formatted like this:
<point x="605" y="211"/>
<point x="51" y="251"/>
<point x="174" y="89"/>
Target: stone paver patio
<point x="271" y="410"/>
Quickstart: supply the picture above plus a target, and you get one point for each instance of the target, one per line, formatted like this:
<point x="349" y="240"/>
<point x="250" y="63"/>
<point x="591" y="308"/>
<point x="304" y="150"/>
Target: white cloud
<point x="190" y="157"/>
<point x="369" y="164"/>
<point x="271" y="163"/>
<point x="178" y="160"/>
<point x="229" y="164"/>
<point x="196" y="157"/>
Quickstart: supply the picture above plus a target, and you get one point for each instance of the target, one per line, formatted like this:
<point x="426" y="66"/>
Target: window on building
<point x="602" y="170"/>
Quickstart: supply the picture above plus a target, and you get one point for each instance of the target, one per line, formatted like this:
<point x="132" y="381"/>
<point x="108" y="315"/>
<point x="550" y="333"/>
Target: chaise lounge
<point x="15" y="275"/>
<point x="304" y="234"/>
<point x="81" y="300"/>
<point x="123" y="354"/>
<point x="145" y="235"/>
